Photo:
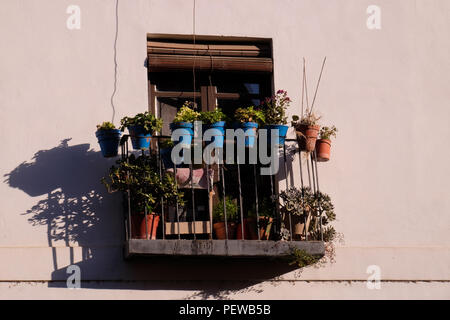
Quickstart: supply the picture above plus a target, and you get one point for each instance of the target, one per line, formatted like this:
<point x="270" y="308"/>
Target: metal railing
<point x="311" y="176"/>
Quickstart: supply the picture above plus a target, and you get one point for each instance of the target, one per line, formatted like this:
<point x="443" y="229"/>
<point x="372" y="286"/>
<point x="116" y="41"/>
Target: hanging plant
<point x="141" y="128"/>
<point x="323" y="144"/>
<point x="108" y="137"/>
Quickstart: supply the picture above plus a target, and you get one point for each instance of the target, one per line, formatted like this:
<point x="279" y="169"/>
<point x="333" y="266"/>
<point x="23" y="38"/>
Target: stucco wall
<point x="386" y="90"/>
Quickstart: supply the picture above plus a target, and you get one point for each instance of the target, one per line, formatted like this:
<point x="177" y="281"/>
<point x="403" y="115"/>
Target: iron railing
<point x="309" y="178"/>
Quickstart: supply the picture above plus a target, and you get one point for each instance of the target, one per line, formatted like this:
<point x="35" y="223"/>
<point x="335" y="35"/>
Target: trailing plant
<point x="327" y="132"/>
<point x="187" y="113"/>
<point x="231" y="207"/>
<point x="210" y="117"/>
<point x="106" y="126"/>
<point x="146" y="120"/>
<point x="147" y="189"/>
<point x="275" y="108"/>
<point x="250" y="114"/>
<point x="301" y="258"/>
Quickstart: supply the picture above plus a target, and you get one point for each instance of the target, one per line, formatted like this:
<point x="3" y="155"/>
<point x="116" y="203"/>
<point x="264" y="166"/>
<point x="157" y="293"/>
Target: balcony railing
<point x="196" y="237"/>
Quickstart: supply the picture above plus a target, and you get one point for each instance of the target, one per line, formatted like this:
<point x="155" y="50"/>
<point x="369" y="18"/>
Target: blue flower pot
<point x="218" y="134"/>
<point x="282" y="131"/>
<point x="140" y="139"/>
<point x="166" y="157"/>
<point x="250" y="129"/>
<point x="188" y="132"/>
<point x="109" y="141"/>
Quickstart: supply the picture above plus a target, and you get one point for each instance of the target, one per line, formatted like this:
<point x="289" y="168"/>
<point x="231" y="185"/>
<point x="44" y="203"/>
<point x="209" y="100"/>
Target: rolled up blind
<point x="166" y="56"/>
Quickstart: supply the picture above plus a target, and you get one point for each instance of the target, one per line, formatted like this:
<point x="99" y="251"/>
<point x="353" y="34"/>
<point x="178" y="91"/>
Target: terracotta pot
<point x="252" y="229"/>
<point x="307" y="136"/>
<point x="323" y="147"/>
<point x="219" y="230"/>
<point x="298" y="226"/>
<point x="247" y="235"/>
<point x="138" y="226"/>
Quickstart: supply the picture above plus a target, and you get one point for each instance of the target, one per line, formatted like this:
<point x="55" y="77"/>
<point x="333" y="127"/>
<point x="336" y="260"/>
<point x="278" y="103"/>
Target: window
<point x="226" y="72"/>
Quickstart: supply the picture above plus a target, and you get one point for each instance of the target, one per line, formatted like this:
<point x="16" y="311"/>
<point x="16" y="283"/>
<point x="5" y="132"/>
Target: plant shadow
<point x="83" y="219"/>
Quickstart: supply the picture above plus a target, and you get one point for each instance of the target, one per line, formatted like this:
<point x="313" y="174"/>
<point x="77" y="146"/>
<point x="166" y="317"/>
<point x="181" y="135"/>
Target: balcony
<point x="187" y="231"/>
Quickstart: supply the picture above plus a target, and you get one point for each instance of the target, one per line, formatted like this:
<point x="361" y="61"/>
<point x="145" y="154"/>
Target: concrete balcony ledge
<point x="220" y="248"/>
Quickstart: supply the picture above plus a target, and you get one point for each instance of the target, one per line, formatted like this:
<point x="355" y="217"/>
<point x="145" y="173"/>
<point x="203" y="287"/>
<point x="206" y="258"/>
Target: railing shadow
<point x="78" y="212"/>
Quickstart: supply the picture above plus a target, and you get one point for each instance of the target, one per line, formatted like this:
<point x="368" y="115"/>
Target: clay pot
<point x="247" y="234"/>
<point x="219" y="230"/>
<point x="252" y="229"/>
<point x="307" y="136"/>
<point x="298" y="226"/>
<point x="138" y="226"/>
<point x="323" y="147"/>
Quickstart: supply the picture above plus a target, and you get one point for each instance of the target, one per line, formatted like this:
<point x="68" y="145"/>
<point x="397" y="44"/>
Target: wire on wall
<point x="115" y="61"/>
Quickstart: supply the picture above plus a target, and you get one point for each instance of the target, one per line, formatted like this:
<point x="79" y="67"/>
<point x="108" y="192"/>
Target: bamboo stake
<point x="317" y="86"/>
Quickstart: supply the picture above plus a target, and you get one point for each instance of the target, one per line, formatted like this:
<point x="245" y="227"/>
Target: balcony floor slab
<point x="220" y="248"/>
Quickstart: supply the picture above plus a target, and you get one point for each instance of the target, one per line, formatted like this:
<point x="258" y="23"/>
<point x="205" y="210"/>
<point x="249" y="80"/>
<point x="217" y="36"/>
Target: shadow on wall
<point x="80" y="213"/>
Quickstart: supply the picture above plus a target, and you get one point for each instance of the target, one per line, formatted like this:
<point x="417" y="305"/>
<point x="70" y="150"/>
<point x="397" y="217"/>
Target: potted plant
<point x="265" y="212"/>
<point x="219" y="219"/>
<point x="141" y="128"/>
<point x="304" y="208"/>
<point x="214" y="120"/>
<point x="165" y="147"/>
<point x="275" y="115"/>
<point x="108" y="137"/>
<point x="248" y="119"/>
<point x="296" y="208"/>
<point x="323" y="144"/>
<point x="307" y="130"/>
<point x="147" y="189"/>
<point x="184" y="119"/>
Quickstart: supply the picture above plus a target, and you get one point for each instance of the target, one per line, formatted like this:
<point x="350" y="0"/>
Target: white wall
<point x="386" y="91"/>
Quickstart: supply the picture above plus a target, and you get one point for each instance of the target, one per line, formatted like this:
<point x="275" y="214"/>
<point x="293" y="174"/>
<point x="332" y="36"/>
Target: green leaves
<point x="187" y="113"/>
<point x="210" y="117"/>
<point x="106" y="126"/>
<point x="146" y="119"/>
<point x="308" y="119"/>
<point x="328" y="132"/>
<point x="315" y="205"/>
<point x="231" y="207"/>
<point x="147" y="189"/>
<point x="250" y="114"/>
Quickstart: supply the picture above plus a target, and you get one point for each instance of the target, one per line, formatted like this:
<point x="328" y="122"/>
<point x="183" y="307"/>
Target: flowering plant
<point x="275" y="108"/>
